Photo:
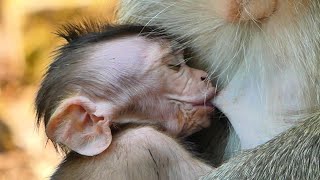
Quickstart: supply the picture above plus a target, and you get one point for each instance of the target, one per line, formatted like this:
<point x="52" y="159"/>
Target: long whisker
<point x="157" y="15"/>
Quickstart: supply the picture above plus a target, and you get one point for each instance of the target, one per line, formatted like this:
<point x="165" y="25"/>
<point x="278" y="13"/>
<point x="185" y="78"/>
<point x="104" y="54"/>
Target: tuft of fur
<point x="74" y="31"/>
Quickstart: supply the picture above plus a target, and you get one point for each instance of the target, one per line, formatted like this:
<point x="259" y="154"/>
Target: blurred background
<point x="26" y="43"/>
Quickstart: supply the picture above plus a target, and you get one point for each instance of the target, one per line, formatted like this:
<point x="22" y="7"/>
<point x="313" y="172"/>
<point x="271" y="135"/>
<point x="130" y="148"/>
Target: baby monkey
<point x="108" y="77"/>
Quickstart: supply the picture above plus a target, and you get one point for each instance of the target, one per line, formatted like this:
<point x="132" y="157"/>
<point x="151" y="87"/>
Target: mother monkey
<point x="265" y="57"/>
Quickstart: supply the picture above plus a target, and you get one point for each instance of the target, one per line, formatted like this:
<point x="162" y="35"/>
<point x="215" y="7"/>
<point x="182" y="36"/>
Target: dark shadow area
<point x="209" y="144"/>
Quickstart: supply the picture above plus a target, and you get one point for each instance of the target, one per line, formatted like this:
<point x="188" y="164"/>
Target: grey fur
<point x="292" y="155"/>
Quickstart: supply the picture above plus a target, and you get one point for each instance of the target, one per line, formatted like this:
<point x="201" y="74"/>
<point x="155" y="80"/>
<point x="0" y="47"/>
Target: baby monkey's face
<point x="179" y="96"/>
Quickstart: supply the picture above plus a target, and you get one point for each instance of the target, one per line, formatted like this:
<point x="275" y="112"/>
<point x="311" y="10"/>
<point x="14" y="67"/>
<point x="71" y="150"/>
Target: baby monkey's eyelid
<point x="175" y="67"/>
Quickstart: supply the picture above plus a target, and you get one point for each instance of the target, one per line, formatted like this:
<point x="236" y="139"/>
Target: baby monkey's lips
<point x="203" y="103"/>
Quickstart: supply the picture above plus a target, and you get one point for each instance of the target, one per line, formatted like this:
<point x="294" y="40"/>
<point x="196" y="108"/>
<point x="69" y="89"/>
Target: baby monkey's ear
<point x="76" y="124"/>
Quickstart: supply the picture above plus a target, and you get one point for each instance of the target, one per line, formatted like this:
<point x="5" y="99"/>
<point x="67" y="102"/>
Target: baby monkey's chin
<point x="194" y="119"/>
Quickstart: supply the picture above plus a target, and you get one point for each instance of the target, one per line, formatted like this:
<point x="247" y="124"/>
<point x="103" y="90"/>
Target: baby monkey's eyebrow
<point x="171" y="58"/>
<point x="176" y="46"/>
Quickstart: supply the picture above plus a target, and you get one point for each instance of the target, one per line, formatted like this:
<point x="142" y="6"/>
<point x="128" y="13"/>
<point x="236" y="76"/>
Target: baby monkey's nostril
<point x="203" y="78"/>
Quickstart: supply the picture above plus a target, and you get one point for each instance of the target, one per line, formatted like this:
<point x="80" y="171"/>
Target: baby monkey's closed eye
<point x="175" y="67"/>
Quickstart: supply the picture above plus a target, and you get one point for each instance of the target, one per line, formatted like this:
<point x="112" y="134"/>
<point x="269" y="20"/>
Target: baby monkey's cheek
<point x="194" y="119"/>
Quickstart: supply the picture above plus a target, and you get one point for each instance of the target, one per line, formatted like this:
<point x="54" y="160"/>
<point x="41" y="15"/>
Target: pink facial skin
<point x="171" y="92"/>
<point x="154" y="86"/>
<point x="243" y="10"/>
<point x="185" y="88"/>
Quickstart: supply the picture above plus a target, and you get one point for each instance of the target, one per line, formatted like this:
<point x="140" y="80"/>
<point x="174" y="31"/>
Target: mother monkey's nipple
<point x="244" y="10"/>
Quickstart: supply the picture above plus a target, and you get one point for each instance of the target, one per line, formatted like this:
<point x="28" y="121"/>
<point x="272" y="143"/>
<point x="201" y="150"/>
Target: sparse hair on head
<point x="63" y="77"/>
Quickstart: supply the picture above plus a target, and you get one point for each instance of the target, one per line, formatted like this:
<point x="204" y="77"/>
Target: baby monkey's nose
<point x="203" y="78"/>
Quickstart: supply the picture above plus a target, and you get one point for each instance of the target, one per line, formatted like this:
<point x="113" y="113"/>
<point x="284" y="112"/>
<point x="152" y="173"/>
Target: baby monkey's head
<point x="118" y="75"/>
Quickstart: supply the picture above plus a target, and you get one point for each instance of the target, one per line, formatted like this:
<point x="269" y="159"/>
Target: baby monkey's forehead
<point x="169" y="44"/>
<point x="162" y="48"/>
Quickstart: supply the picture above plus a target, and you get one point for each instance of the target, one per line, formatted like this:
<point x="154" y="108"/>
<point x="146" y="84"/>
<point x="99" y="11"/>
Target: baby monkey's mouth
<point x="205" y="102"/>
